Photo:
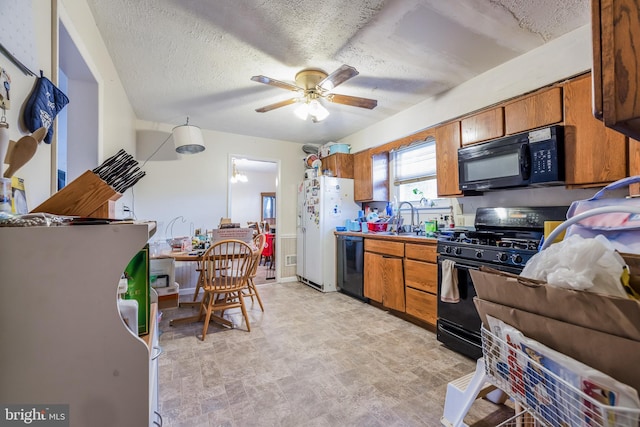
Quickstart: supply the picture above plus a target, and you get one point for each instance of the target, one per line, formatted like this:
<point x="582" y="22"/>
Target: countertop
<point x="404" y="237"/>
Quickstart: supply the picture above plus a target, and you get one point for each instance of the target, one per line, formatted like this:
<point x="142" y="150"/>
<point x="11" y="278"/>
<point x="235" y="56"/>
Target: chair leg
<point x="244" y="311"/>
<point x="205" y="327"/>
<point x="254" y="291"/>
<point x="198" y="285"/>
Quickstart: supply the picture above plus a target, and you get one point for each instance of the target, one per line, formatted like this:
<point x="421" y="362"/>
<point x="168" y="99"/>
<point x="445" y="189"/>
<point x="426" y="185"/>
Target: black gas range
<point x="504" y="239"/>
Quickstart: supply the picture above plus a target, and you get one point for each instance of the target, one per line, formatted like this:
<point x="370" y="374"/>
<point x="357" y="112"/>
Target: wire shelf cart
<point x="548" y="399"/>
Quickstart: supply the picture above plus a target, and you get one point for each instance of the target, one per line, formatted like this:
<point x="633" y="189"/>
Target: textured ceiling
<point x="195" y="58"/>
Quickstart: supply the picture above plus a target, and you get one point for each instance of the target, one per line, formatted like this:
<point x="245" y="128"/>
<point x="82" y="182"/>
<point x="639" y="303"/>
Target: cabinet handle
<point x="159" y="416"/>
<point x="159" y="352"/>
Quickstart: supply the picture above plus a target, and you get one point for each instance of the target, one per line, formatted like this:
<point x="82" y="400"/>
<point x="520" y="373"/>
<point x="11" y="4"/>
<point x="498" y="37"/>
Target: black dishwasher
<point x="351" y="266"/>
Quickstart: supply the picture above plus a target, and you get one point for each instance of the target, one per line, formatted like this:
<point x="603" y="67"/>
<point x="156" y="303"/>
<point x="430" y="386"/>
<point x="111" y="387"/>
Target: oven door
<point x="459" y="323"/>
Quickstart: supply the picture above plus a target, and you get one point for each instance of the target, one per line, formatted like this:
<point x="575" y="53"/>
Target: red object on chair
<point x="267" y="253"/>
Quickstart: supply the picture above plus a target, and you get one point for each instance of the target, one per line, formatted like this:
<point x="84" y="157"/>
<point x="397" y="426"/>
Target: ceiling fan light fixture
<point x="188" y="139"/>
<point x="317" y="111"/>
<point x="302" y="111"/>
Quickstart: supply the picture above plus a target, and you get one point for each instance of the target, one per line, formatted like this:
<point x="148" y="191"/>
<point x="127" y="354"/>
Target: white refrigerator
<point x="324" y="203"/>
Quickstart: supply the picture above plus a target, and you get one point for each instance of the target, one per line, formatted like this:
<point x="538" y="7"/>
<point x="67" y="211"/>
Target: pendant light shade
<point x="188" y="139"/>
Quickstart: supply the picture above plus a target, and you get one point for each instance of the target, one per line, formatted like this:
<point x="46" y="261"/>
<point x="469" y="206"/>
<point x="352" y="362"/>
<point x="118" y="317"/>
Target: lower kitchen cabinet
<point x="383" y="273"/>
<point x="421" y="281"/>
<point x="422" y="305"/>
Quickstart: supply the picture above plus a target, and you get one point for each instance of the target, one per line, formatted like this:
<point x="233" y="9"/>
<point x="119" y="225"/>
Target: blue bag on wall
<point x="45" y="102"/>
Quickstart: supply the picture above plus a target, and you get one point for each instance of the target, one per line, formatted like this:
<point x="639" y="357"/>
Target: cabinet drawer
<point x="421" y="252"/>
<point x="534" y="111"/>
<point x="422" y="305"/>
<point x="421" y="275"/>
<point x="384" y="247"/>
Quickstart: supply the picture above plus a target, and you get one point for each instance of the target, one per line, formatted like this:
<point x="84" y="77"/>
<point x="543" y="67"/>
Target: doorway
<point x="255" y="199"/>
<point x="77" y="124"/>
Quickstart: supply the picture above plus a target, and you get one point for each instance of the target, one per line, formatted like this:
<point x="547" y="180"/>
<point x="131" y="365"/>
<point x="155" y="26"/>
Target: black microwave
<point x="534" y="158"/>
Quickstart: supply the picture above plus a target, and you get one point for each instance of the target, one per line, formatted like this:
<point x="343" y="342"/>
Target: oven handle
<point x="462" y="266"/>
<point x="459" y="337"/>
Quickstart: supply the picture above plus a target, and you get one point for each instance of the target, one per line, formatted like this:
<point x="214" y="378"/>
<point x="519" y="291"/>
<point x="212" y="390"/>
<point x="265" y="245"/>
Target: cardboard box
<point x="599" y="331"/>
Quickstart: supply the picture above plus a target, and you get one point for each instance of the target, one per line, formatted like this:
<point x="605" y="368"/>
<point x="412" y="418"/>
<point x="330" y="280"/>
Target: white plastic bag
<point x="590" y="264"/>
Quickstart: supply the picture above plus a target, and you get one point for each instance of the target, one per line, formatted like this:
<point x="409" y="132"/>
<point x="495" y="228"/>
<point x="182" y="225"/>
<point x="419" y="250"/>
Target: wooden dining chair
<point x="259" y="242"/>
<point x="223" y="287"/>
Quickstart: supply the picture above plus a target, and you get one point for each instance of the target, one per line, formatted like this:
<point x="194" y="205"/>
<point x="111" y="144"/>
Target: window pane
<point x="415" y="162"/>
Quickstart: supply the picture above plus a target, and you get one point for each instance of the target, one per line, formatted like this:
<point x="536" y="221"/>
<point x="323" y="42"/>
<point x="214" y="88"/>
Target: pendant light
<point x="188" y="139"/>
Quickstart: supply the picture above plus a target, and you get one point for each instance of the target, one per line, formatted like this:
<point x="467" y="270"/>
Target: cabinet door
<point x="373" y="268"/>
<point x="616" y="82"/>
<point x="421" y="275"/>
<point x="363" y="177"/>
<point x="594" y="154"/>
<point x="340" y="165"/>
<point x="534" y="111"/>
<point x="422" y="305"/>
<point x="483" y="126"/>
<point x="393" y="279"/>
<point x="447" y="144"/>
<point x="371" y="176"/>
<point x="634" y="165"/>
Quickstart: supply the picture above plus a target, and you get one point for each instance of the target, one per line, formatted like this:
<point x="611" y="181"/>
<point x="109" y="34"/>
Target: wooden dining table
<point x="198" y="257"/>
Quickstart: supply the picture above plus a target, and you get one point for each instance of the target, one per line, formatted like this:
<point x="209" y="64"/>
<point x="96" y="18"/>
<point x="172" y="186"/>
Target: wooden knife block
<point x="86" y="196"/>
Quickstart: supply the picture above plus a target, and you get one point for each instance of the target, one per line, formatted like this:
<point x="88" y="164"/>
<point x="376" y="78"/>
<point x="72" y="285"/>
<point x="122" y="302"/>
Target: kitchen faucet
<point x="399" y="218"/>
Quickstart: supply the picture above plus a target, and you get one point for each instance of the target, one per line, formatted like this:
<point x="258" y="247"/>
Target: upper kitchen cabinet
<point x="530" y="112"/>
<point x="616" y="69"/>
<point x="340" y="165"/>
<point x="483" y="126"/>
<point x="447" y="144"/>
<point x="371" y="176"/>
<point x="595" y="155"/>
<point x="634" y="165"/>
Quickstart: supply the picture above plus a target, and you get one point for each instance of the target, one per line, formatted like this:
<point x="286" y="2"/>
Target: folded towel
<point x="449" y="286"/>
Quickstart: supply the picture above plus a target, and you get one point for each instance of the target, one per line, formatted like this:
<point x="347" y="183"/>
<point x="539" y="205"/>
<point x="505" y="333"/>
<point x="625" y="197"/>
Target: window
<point x="414" y="168"/>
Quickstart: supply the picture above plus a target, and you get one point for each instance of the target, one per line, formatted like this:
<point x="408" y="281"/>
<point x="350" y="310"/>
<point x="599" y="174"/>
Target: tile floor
<point x="311" y="359"/>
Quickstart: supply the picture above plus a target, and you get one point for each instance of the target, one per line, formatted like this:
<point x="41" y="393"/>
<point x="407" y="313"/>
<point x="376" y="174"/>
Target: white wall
<point x="116" y="118"/>
<point x="246" y="201"/>
<point x="561" y="58"/>
<point x="195" y="186"/>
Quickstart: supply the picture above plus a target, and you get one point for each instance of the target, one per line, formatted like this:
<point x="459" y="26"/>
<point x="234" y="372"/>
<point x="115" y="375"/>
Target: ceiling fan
<point x="313" y="84"/>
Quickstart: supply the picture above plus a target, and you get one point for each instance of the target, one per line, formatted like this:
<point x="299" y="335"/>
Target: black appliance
<point x="350" y="266"/>
<point x="504" y="239"/>
<point x="534" y="158"/>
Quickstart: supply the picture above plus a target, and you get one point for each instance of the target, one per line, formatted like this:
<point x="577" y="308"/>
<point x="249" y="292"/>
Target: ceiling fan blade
<point x="277" y="105"/>
<point x="277" y="83"/>
<point x="339" y="76"/>
<point x="352" y="100"/>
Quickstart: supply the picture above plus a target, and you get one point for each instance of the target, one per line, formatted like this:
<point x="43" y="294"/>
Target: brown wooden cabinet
<point x="533" y="111"/>
<point x="421" y="281"/>
<point x="371" y="176"/>
<point x="595" y="155"/>
<point x="340" y="165"/>
<point x="634" y="165"/>
<point x="616" y="69"/>
<point x="447" y="144"/>
<point x="383" y="273"/>
<point x="483" y="126"/>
